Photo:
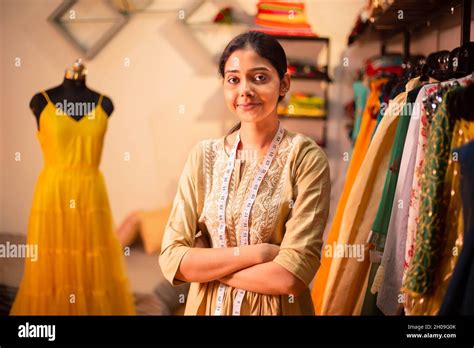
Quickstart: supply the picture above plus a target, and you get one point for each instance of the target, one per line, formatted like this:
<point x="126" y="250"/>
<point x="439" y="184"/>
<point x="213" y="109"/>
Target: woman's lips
<point x="248" y="106"/>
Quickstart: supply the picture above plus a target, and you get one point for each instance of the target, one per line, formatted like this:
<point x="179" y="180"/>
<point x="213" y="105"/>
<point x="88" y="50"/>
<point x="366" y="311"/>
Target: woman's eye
<point x="260" y="77"/>
<point x="232" y="80"/>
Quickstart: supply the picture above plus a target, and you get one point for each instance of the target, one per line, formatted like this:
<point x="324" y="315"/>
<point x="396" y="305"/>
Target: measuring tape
<point x="244" y="218"/>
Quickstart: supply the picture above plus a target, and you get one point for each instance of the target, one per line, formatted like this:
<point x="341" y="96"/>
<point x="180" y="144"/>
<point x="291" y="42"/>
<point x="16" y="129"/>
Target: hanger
<point x="460" y="103"/>
<point x="461" y="60"/>
<point x="413" y="66"/>
<point x="436" y="66"/>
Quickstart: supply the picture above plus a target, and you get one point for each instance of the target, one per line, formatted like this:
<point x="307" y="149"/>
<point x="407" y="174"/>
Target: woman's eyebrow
<point x="253" y="69"/>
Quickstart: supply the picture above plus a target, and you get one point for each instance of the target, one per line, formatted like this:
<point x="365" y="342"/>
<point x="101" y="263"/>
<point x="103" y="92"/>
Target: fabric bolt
<point x="290" y="210"/>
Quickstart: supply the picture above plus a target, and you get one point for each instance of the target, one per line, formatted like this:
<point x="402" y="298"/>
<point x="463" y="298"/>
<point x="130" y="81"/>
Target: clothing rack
<point x="466" y="22"/>
<point x="416" y="15"/>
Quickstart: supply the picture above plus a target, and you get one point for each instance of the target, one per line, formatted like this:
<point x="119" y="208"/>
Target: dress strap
<point x="43" y="92"/>
<point x="99" y="103"/>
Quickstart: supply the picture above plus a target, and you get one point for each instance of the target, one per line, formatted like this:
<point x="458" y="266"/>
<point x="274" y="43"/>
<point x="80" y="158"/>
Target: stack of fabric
<point x="282" y="18"/>
<point x="301" y="104"/>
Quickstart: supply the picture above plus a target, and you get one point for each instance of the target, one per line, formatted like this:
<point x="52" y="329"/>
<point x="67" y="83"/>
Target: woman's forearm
<point x="202" y="265"/>
<point x="267" y="278"/>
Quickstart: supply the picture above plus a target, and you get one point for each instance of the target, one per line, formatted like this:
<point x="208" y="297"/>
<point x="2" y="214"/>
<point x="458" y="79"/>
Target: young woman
<point x="259" y="197"/>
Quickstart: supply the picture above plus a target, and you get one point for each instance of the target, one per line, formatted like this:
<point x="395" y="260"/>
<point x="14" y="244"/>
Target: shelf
<point x="301" y="38"/>
<point x="415" y="14"/>
<point x="299" y="117"/>
<point x="322" y="77"/>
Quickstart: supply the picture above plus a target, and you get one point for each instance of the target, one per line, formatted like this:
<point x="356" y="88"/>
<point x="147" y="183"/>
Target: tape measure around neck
<point x="244" y="218"/>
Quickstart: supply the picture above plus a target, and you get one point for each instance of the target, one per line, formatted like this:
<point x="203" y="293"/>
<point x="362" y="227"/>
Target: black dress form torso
<point x="70" y="91"/>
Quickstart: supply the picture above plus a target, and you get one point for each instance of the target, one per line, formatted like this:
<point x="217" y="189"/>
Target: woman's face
<point x="252" y="85"/>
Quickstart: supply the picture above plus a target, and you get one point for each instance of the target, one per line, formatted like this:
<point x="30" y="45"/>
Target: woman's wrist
<point x="255" y="253"/>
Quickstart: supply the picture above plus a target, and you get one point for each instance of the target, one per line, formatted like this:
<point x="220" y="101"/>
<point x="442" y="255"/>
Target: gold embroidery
<point x="264" y="214"/>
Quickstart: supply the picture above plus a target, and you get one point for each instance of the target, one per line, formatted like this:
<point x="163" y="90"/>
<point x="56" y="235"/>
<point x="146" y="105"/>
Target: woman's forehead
<point x="246" y="59"/>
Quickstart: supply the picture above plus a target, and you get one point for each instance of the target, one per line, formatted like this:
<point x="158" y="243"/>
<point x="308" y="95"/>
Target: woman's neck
<point x="258" y="135"/>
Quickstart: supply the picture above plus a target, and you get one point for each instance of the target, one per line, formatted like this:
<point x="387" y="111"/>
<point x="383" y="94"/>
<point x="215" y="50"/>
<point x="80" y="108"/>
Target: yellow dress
<point x="290" y="210"/>
<point x="79" y="269"/>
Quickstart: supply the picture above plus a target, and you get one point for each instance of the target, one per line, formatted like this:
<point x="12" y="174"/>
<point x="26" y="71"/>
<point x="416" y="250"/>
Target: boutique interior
<point x="401" y="187"/>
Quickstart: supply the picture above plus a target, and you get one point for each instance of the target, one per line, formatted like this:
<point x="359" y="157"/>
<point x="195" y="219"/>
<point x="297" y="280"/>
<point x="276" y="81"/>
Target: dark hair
<point x="265" y="45"/>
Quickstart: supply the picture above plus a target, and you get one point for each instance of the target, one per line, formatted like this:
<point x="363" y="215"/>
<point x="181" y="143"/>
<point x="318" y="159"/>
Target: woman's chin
<point x="249" y="115"/>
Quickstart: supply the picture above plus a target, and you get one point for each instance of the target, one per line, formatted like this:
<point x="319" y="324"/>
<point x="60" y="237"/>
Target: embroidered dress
<point x="290" y="210"/>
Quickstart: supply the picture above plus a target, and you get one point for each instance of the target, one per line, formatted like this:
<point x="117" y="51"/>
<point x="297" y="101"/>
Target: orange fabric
<point x="360" y="149"/>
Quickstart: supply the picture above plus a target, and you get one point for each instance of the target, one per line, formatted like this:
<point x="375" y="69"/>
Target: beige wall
<point x="168" y="68"/>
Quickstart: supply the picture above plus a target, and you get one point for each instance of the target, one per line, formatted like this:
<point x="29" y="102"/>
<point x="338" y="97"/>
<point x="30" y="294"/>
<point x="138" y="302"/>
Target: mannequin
<point x="70" y="219"/>
<point x="72" y="90"/>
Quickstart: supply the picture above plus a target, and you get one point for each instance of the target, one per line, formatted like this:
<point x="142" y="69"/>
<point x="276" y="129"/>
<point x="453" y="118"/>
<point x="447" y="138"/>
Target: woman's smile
<point x="248" y="106"/>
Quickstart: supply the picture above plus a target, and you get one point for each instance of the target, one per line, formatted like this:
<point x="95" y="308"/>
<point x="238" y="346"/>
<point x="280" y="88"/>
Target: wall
<point x="168" y="69"/>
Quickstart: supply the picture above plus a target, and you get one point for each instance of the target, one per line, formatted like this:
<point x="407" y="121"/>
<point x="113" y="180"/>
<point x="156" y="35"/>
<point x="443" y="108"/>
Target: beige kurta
<point x="290" y="210"/>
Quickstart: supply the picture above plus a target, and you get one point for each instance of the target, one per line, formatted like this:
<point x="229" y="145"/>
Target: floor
<point x="153" y="294"/>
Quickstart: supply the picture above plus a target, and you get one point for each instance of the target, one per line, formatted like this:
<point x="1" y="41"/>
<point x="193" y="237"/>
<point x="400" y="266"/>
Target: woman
<point x="259" y="195"/>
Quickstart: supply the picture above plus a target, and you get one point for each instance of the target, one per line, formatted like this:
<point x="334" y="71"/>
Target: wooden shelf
<point x="296" y="116"/>
<point x="324" y="77"/>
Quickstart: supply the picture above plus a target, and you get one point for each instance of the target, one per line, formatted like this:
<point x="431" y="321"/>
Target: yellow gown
<point x="79" y="268"/>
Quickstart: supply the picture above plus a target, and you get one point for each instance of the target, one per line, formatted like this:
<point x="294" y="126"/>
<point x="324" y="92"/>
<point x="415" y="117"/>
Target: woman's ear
<point x="285" y="84"/>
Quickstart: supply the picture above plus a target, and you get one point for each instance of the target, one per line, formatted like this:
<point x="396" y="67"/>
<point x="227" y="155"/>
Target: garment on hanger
<point x="415" y="195"/>
<point x="290" y="209"/>
<point x="360" y="149"/>
<point x="382" y="218"/>
<point x="360" y="99"/>
<point x="384" y="97"/>
<point x="390" y="298"/>
<point x="79" y="269"/>
<point x="347" y="277"/>
<point x="437" y="241"/>
<point x="459" y="299"/>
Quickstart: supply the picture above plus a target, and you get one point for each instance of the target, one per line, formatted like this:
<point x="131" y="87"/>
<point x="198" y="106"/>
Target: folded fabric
<point x="282" y="18"/>
<point x="275" y="24"/>
<point x="301" y="104"/>
<point x="296" y="18"/>
<point x="263" y="4"/>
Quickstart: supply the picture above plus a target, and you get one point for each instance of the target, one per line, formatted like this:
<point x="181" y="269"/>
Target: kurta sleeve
<point x="300" y="249"/>
<point x="181" y="228"/>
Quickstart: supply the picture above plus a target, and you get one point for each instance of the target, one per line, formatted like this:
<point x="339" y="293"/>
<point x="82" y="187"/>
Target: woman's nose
<point x="245" y="89"/>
